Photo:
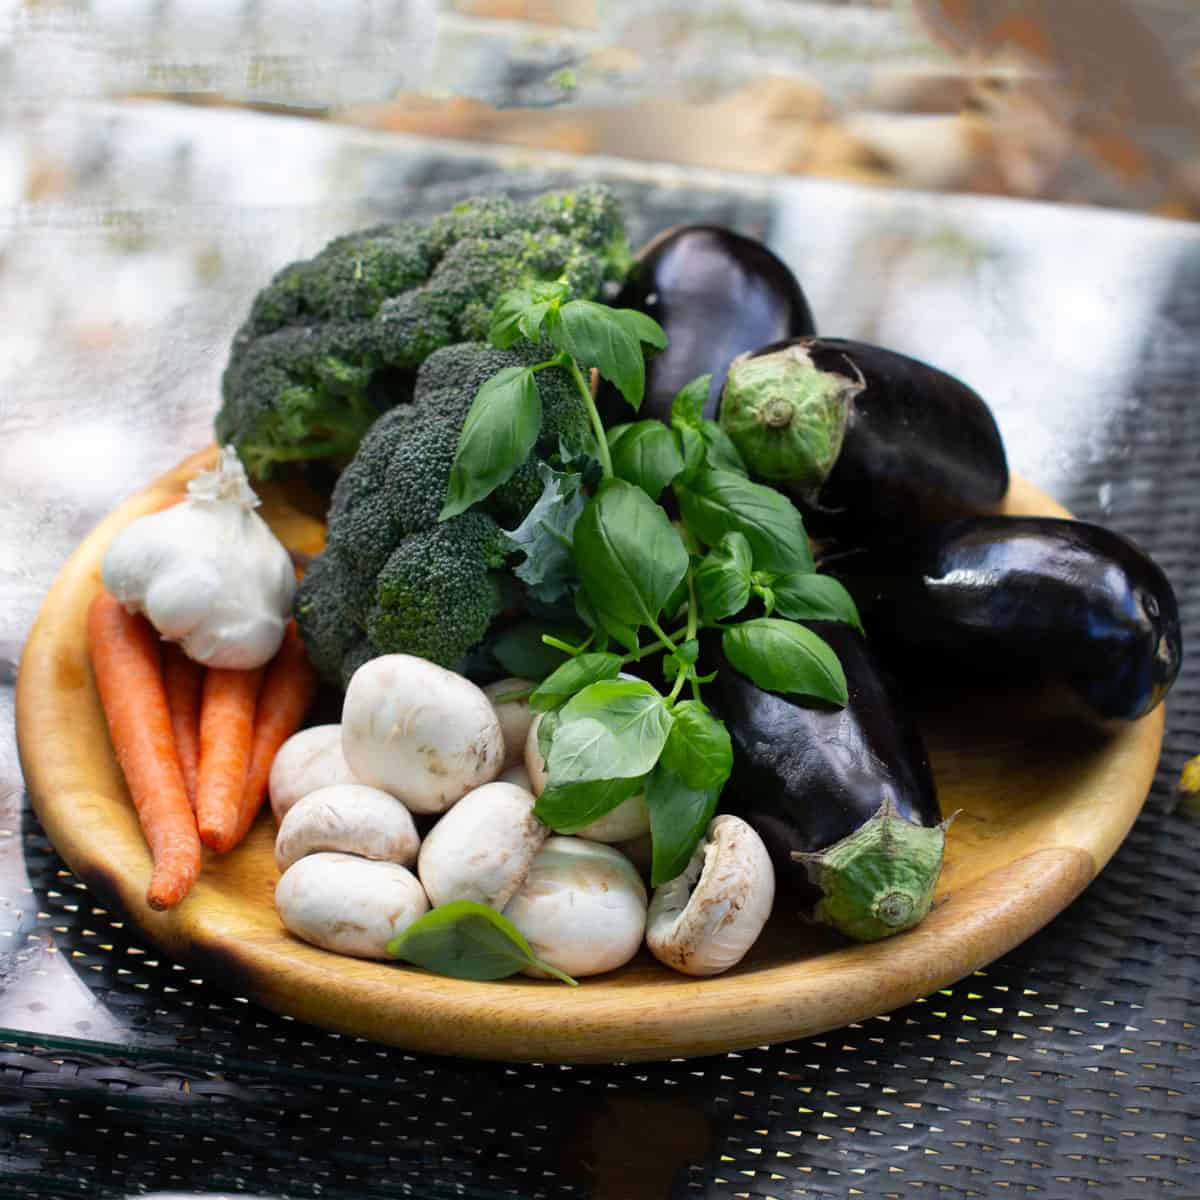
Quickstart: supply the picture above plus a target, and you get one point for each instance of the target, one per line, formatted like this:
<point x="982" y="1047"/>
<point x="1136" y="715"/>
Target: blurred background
<point x="1086" y="101"/>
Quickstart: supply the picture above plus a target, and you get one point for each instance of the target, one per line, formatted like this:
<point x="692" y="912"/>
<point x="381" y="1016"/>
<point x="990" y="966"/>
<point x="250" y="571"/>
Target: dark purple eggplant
<point x="1067" y="607"/>
<point x="717" y="294"/>
<point x="843" y="798"/>
<point x="864" y="439"/>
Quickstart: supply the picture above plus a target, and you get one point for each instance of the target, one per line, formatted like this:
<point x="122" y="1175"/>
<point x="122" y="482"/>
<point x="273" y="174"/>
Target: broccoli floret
<point x="391" y="577"/>
<point x="334" y="341"/>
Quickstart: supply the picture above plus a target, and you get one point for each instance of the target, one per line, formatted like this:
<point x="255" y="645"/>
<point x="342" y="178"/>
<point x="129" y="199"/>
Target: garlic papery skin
<point x="207" y="572"/>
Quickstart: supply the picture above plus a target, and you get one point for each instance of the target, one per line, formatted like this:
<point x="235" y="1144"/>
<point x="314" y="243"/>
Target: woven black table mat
<point x="1066" y="1069"/>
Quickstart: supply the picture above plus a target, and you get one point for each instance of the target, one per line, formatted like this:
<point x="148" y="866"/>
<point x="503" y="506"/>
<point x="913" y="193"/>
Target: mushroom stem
<point x="879" y="879"/>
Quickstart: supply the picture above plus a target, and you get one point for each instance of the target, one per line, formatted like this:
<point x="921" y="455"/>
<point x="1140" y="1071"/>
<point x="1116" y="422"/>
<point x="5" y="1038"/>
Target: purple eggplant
<point x="865" y="440"/>
<point x="1067" y="607"/>
<point x="717" y="294"/>
<point x="843" y="798"/>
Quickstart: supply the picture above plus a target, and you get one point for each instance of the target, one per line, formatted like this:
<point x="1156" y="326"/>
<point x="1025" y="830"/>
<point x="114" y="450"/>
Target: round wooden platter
<point x="1042" y="810"/>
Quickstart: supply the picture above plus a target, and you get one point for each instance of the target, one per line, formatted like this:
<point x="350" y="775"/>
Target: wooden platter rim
<point x="648" y="1014"/>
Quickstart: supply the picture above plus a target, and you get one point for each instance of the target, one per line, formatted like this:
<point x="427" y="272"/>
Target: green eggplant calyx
<point x="879" y="879"/>
<point x="787" y="417"/>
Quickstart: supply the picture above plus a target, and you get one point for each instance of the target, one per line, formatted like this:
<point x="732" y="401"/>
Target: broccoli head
<point x="335" y="340"/>
<point x="391" y="578"/>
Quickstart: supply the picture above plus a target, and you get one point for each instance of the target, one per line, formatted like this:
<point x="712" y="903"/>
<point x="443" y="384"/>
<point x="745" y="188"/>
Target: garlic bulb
<point x="207" y="572"/>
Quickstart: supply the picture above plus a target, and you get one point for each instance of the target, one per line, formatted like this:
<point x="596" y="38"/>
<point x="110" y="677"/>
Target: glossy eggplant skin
<point x="717" y="294"/>
<point x="919" y="445"/>
<point x="1036" y="601"/>
<point x="807" y="775"/>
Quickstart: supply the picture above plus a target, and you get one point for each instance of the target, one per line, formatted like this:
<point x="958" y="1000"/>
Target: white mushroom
<point x="483" y="847"/>
<point x="308" y="760"/>
<point x="514" y="716"/>
<point x="639" y="851"/>
<point x="630" y="819"/>
<point x="519" y="776"/>
<point x="419" y="731"/>
<point x="704" y="921"/>
<point x="582" y="907"/>
<point x="347" y="904"/>
<point x="535" y="764"/>
<point x="349" y="817"/>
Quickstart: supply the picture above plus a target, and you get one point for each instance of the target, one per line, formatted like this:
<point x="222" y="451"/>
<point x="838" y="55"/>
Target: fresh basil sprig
<point x="736" y="562"/>
<point x="468" y="940"/>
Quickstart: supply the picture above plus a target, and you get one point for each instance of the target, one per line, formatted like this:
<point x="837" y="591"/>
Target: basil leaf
<point x="681" y="660"/>
<point x="628" y="554"/>
<point x="719" y="451"/>
<point x="687" y="409"/>
<point x="505" y="329"/>
<point x="594" y="336"/>
<point x="781" y="656"/>
<point x="646" y="455"/>
<point x="644" y="328"/>
<point x="468" y="940"/>
<point x="547" y="727"/>
<point x="521" y="651"/>
<point x="698" y="749"/>
<point x="497" y="436"/>
<point x="715" y="503"/>
<point x="679" y="815"/>
<point x="814" y="598"/>
<point x="573" y="676"/>
<point x="614" y="729"/>
<point x="723" y="578"/>
<point x="569" y="807"/>
<point x="545" y="535"/>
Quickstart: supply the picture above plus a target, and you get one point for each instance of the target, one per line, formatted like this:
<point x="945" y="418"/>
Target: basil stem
<point x="585" y="392"/>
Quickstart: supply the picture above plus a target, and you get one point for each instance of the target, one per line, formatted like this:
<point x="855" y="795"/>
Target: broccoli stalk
<point x="334" y="341"/>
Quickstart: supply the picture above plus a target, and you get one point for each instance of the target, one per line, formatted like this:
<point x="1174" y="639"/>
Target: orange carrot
<point x="226" y="732"/>
<point x="184" y="678"/>
<point x="288" y="689"/>
<point x="124" y="650"/>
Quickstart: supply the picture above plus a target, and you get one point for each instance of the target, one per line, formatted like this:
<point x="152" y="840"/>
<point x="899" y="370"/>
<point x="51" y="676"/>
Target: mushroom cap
<point x="347" y="904"/>
<point x="630" y="819"/>
<point x="582" y="907"/>
<point x="514" y="716"/>
<point x="308" y="760"/>
<point x="704" y="921"/>
<point x="421" y="732"/>
<point x="535" y="764"/>
<point x="483" y="847"/>
<point x="349" y="817"/>
<point x="519" y="776"/>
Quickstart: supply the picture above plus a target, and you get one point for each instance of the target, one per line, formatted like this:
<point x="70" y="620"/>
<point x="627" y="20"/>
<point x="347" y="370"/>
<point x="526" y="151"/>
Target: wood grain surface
<point x="1042" y="810"/>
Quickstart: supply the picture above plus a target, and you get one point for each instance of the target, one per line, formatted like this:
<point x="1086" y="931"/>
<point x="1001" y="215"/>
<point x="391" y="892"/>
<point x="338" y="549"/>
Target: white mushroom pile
<point x="418" y="739"/>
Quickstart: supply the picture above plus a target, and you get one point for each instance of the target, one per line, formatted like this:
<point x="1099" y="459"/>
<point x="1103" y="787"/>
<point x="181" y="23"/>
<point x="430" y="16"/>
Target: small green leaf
<point x="545" y="535"/>
<point x="687" y="409"/>
<point x="467" y="940"/>
<point x="594" y="336"/>
<point x="646" y="455"/>
<point x="679" y="815"/>
<point x="698" y="749"/>
<point x="497" y="436"/>
<point x="505" y="329"/>
<point x="521" y="651"/>
<point x="693" y="449"/>
<point x="547" y="726"/>
<point x="723" y="577"/>
<point x="781" y="656"/>
<point x="719" y="451"/>
<point x="573" y="676"/>
<point x="715" y="503"/>
<point x="814" y="598"/>
<point x="644" y="328"/>
<point x="628" y="555"/>
<point x="614" y="729"/>
<point x="682" y="660"/>
<point x="568" y="807"/>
